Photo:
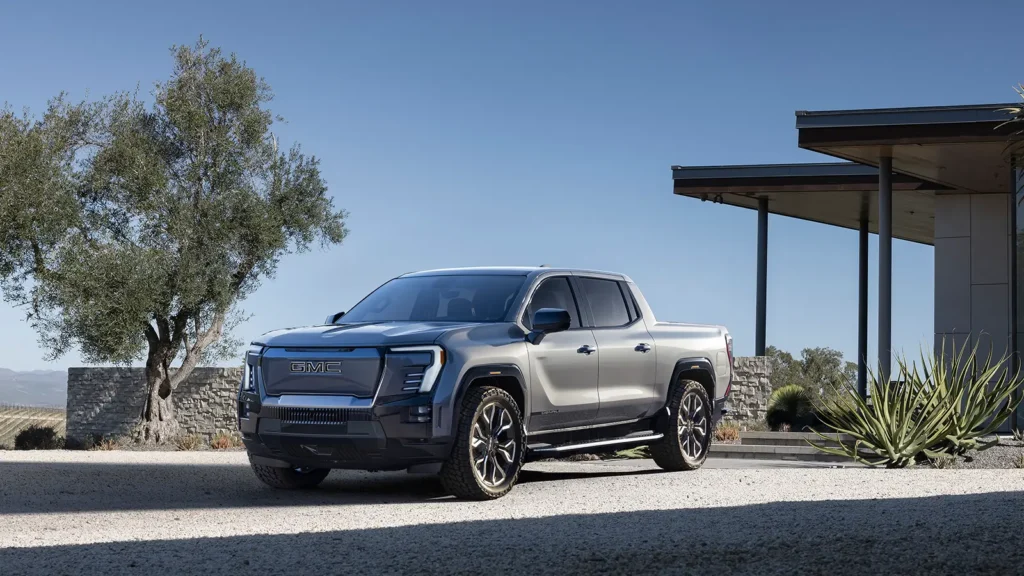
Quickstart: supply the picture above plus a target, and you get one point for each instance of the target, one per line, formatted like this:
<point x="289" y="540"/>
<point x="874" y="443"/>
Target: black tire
<point x="687" y="438"/>
<point x="289" y="478"/>
<point x="461" y="474"/>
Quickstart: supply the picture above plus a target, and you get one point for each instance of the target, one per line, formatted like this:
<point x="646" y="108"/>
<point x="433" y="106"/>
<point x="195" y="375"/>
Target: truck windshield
<point x="462" y="298"/>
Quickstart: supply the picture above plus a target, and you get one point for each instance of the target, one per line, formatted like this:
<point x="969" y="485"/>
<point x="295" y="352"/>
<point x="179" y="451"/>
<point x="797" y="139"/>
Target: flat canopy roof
<point x="839" y="194"/>
<point x="961" y="147"/>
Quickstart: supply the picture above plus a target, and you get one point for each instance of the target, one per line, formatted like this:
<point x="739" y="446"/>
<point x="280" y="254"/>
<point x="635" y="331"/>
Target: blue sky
<point x="533" y="132"/>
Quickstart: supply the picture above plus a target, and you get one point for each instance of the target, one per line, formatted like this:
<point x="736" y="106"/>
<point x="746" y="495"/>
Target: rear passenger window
<point x="606" y="302"/>
<point x="630" y="301"/>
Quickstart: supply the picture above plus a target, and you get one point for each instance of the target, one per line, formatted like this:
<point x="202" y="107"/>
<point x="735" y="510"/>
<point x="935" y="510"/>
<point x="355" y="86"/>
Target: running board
<point x="598" y="444"/>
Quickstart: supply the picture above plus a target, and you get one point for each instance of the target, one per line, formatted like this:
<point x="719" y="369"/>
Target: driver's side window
<point x="553" y="293"/>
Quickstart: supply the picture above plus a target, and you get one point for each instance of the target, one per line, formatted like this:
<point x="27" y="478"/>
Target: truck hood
<point x="365" y="334"/>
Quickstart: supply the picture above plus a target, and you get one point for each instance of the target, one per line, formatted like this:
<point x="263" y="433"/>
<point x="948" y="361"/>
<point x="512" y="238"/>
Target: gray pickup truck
<point x="469" y="373"/>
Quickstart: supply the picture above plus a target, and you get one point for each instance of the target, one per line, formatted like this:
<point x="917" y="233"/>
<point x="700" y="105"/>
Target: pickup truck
<point x="469" y="373"/>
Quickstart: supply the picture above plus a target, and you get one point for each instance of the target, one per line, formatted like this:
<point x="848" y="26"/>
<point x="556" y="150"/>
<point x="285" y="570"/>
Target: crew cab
<point x="469" y="373"/>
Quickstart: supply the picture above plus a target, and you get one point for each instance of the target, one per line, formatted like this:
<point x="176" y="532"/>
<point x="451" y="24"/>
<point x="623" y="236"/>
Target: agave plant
<point x="903" y="419"/>
<point x="984" y="395"/>
<point x="946" y="408"/>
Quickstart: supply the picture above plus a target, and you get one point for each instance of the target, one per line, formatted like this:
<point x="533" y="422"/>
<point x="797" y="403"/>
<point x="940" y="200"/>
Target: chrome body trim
<point x="626" y="440"/>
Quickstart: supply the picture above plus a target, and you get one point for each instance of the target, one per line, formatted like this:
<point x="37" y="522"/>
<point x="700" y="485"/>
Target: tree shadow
<point x="964" y="534"/>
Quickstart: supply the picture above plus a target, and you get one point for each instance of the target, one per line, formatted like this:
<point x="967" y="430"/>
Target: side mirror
<point x="333" y="318"/>
<point x="548" y="320"/>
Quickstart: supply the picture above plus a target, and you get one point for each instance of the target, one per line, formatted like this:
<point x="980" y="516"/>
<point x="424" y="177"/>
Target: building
<point x="941" y="176"/>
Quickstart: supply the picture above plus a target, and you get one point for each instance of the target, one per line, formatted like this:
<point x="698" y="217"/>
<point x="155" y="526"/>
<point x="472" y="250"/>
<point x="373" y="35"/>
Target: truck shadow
<point x="28" y="487"/>
<point x="962" y="534"/>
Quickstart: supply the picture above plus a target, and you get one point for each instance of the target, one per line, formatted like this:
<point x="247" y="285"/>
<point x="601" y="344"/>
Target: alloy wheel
<point x="693" y="426"/>
<point x="493" y="446"/>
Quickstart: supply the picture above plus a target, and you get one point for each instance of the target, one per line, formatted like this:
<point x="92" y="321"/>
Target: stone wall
<point x="748" y="400"/>
<point x="108" y="401"/>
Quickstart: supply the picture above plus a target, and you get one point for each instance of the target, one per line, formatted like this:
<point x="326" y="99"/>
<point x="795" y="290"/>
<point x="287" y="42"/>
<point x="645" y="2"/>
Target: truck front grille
<point x="316" y="415"/>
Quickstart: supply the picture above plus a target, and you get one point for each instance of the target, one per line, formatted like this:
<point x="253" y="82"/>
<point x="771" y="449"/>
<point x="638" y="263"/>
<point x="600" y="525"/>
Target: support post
<point x="884" y="266"/>
<point x="862" y="307"/>
<point x="1014" y="323"/>
<point x="762" y="275"/>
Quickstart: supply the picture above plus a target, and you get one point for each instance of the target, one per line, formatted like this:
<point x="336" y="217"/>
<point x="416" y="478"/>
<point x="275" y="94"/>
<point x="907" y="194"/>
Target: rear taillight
<point x="728" y="351"/>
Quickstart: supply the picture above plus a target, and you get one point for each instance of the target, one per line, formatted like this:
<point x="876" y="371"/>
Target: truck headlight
<point x="252" y="359"/>
<point x="420" y="367"/>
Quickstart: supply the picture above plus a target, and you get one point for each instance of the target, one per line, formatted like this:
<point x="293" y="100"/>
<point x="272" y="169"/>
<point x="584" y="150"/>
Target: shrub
<point x="38" y="438"/>
<point x="943" y="461"/>
<point x="223" y="441"/>
<point x="189" y="442"/>
<point x="1018" y="435"/>
<point x="945" y="409"/>
<point x="790" y="406"/>
<point x="639" y="452"/>
<point x="727" y="432"/>
<point x="106" y="443"/>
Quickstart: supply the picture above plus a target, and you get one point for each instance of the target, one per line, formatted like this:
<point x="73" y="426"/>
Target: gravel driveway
<point x="172" y="512"/>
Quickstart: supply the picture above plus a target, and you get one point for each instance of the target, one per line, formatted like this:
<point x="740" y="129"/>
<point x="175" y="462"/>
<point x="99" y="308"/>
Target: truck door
<point x="627" y="364"/>
<point x="563" y="365"/>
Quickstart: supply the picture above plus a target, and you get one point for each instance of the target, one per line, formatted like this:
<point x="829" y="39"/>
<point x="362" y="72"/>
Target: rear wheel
<point x="290" y="478"/>
<point x="687" y="429"/>
<point x="489" y="447"/>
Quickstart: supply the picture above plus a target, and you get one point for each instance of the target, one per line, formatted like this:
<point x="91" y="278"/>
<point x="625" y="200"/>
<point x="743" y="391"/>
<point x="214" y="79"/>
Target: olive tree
<point x="132" y="231"/>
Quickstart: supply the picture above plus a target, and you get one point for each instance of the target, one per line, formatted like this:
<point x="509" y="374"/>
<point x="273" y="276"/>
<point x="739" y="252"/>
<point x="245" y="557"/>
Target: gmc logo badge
<point x="316" y="367"/>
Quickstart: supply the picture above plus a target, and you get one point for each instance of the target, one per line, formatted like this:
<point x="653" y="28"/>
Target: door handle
<point x="642" y="347"/>
<point x="586" y="349"/>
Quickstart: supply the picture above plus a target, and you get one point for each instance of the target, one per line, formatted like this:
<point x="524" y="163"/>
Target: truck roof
<point x="506" y="271"/>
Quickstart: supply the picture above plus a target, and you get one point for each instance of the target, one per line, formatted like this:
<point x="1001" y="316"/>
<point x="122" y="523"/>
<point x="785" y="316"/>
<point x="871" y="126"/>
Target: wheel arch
<point x="507" y="377"/>
<point x="697" y="369"/>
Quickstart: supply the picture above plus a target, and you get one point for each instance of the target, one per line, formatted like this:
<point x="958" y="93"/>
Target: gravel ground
<point x="1007" y="454"/>
<point x="204" y="513"/>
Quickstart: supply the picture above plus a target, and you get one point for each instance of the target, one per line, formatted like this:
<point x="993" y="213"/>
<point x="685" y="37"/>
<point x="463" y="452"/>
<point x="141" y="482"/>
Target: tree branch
<point x="193" y="354"/>
<point x="179" y="331"/>
<point x="151" y="336"/>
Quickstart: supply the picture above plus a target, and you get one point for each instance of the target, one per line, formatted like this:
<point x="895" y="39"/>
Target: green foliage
<point x="818" y="370"/>
<point x="1016" y="137"/>
<point x="1018" y="435"/>
<point x="638" y="453"/>
<point x="791" y="405"/>
<point x="982" y="394"/>
<point x="943" y="462"/>
<point x="133" y="232"/>
<point x="945" y="409"/>
<point x="38" y="438"/>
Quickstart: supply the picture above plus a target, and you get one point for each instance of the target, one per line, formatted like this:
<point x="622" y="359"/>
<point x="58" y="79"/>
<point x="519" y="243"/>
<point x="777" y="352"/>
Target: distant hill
<point x="34" y="388"/>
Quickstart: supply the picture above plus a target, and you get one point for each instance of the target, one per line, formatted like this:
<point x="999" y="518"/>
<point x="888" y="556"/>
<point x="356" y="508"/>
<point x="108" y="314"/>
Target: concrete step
<point x="806" y="453"/>
<point x="788" y="439"/>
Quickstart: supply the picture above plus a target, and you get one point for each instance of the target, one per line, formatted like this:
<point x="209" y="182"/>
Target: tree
<point x="819" y="370"/>
<point x="133" y="233"/>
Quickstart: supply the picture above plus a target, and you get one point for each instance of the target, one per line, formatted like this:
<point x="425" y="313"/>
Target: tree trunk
<point x="158" y="423"/>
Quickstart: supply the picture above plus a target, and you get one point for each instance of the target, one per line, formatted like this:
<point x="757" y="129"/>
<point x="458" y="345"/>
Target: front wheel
<point x="289" y="478"/>
<point x="489" y="446"/>
<point x="687" y="429"/>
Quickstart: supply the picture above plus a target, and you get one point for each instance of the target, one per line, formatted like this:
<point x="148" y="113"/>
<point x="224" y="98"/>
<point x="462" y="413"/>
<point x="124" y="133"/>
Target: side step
<point x="600" y="445"/>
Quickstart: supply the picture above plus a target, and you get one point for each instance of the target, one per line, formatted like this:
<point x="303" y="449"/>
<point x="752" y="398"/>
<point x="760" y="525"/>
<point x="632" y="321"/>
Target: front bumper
<point x="381" y="437"/>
